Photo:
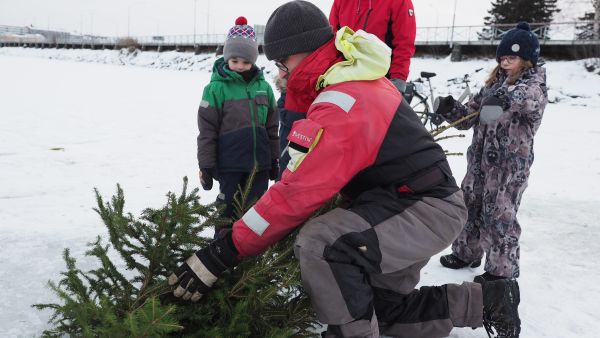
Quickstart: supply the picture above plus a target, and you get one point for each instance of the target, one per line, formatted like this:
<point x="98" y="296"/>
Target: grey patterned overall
<point x="499" y="160"/>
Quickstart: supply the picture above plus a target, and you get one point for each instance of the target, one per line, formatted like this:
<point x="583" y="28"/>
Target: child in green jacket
<point x="237" y="122"/>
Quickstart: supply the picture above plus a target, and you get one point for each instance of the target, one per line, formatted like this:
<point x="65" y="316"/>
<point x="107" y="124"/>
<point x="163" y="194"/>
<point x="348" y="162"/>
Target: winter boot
<point x="486" y="277"/>
<point x="453" y="262"/>
<point x="500" y="308"/>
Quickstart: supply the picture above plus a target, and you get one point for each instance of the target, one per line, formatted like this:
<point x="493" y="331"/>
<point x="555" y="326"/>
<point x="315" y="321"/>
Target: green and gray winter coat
<point x="237" y="122"/>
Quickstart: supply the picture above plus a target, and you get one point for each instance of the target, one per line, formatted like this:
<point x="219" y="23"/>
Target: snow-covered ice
<point x="68" y="126"/>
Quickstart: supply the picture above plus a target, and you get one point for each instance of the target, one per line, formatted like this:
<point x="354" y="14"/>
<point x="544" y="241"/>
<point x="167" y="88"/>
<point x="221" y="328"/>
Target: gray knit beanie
<point x="241" y="42"/>
<point x="295" y="27"/>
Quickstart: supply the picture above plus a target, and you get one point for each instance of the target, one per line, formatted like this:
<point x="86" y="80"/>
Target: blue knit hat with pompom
<point x="520" y="41"/>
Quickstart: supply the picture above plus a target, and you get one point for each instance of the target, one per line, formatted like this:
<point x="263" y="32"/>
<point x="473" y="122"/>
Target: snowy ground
<point x="67" y="127"/>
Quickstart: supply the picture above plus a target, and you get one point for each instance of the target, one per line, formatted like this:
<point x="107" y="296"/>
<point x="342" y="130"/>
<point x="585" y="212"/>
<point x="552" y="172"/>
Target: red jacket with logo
<point x="350" y="127"/>
<point x="392" y="21"/>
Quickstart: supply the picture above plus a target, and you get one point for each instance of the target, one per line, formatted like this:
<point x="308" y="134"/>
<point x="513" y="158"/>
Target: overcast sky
<point x="173" y="17"/>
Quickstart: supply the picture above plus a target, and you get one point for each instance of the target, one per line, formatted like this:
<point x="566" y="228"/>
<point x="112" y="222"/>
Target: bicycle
<point x="426" y="105"/>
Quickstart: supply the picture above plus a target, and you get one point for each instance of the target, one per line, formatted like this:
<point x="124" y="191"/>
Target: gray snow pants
<point x="361" y="277"/>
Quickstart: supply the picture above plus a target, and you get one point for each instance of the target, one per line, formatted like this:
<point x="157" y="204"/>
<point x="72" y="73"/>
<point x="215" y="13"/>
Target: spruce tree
<point x="589" y="29"/>
<point x="585" y="31"/>
<point x="505" y="13"/>
<point x="262" y="297"/>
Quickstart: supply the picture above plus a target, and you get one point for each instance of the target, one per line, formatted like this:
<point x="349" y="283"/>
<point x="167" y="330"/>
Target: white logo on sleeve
<point x="301" y="137"/>
<point x="411" y="12"/>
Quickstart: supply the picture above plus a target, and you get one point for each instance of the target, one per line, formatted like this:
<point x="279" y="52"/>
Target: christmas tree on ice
<point x="261" y="297"/>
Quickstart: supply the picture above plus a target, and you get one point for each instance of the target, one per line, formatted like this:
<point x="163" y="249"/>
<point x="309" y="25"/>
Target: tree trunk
<point x="596" y="32"/>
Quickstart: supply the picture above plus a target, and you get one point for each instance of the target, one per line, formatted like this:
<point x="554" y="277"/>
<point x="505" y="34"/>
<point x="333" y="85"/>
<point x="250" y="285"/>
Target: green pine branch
<point x="262" y="297"/>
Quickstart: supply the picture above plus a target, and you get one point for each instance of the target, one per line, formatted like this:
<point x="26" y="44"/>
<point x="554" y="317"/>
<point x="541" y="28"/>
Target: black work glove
<point x="196" y="276"/>
<point x="443" y="105"/>
<point x="274" y="172"/>
<point x="206" y="178"/>
<point x="436" y="119"/>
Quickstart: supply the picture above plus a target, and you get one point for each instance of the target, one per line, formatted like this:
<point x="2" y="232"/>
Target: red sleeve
<point x="347" y="143"/>
<point x="404" y="29"/>
<point x="334" y="16"/>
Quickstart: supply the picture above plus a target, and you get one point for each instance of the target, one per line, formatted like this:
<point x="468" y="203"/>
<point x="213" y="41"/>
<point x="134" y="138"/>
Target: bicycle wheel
<point x="421" y="108"/>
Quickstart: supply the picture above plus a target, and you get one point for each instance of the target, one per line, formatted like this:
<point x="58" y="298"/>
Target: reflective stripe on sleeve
<point x="255" y="222"/>
<point x="342" y="100"/>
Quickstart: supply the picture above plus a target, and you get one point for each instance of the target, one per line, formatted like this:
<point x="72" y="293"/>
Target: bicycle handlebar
<point x="464" y="78"/>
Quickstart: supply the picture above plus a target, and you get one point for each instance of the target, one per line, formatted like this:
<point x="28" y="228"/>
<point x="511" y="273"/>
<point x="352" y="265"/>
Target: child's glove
<point x="491" y="109"/>
<point x="443" y="105"/>
<point x="206" y="178"/>
<point x="274" y="172"/>
<point x="399" y="84"/>
<point x="196" y="276"/>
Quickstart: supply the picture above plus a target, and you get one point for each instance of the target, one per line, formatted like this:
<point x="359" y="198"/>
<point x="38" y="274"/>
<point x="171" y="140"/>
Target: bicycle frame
<point x="425" y="105"/>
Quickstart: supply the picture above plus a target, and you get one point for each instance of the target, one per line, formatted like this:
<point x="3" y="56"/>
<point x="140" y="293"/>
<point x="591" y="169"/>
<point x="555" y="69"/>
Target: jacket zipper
<point x="252" y="113"/>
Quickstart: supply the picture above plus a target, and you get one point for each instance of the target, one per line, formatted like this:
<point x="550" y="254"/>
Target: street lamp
<point x="129" y="20"/>
<point x="195" y="22"/>
<point x="453" y="20"/>
<point x="207" y="17"/>
<point x="92" y="24"/>
<point x="157" y="22"/>
<point x="114" y="23"/>
<point x="129" y="15"/>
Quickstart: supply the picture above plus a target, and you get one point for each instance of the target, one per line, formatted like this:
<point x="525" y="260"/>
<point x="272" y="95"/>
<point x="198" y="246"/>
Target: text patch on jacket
<point x="303" y="137"/>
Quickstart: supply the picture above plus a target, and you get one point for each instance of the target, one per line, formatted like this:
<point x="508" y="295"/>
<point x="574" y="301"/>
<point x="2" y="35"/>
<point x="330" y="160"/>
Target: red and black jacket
<point x="357" y="135"/>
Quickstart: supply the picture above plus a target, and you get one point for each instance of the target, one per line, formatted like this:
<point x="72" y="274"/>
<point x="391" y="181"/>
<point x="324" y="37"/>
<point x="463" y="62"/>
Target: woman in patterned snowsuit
<point x="500" y="155"/>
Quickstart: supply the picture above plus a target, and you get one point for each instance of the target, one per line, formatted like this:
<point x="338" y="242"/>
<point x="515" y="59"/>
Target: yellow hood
<point x="367" y="58"/>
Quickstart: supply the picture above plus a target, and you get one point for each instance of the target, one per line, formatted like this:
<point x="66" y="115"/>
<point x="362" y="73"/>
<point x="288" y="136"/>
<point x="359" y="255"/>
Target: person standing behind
<point x="392" y="21"/>
<point x="511" y="106"/>
<point x="237" y="121"/>
<point x="286" y="120"/>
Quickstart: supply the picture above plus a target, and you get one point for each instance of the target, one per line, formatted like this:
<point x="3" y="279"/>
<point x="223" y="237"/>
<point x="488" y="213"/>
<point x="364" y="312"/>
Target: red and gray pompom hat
<point x="241" y="42"/>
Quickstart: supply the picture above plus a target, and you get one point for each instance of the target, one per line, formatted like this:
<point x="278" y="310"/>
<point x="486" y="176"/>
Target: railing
<point x="554" y="31"/>
<point x="13" y="29"/>
<point x="201" y="39"/>
<point x="575" y="31"/>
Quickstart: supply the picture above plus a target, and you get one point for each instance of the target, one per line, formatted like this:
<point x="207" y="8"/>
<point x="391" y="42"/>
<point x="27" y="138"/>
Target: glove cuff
<point x="220" y="255"/>
<point x="229" y="252"/>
